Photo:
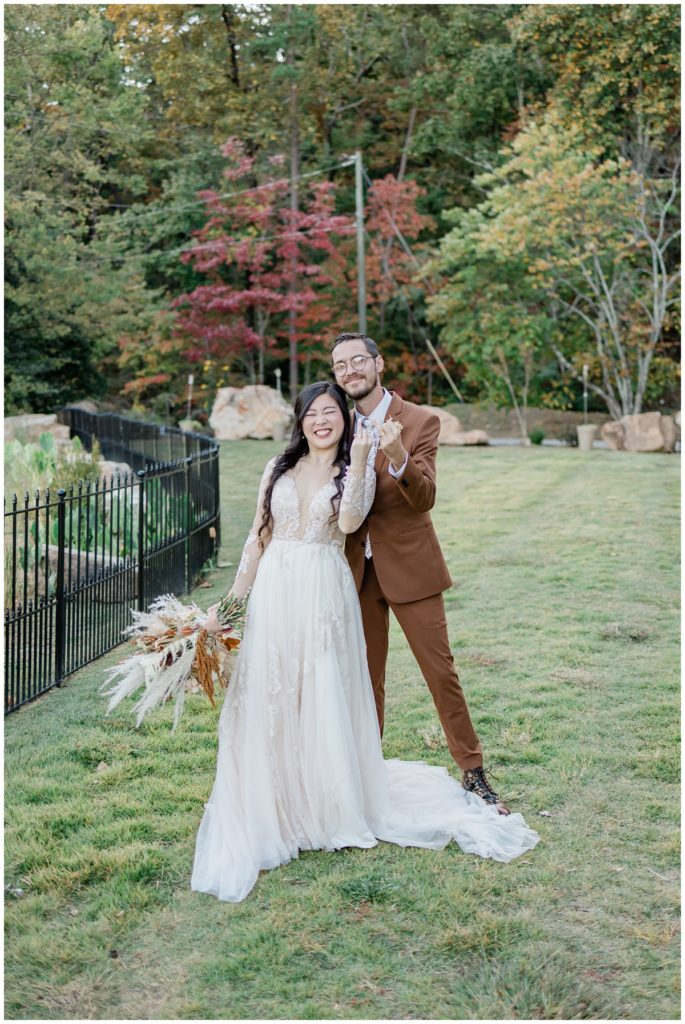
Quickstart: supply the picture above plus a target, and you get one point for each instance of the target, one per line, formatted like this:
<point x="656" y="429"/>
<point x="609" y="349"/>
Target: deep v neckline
<point x="302" y="521"/>
<point x="316" y="493"/>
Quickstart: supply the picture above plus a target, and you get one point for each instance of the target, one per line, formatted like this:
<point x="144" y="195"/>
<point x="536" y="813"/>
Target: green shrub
<point x="34" y="467"/>
<point x="536" y="435"/>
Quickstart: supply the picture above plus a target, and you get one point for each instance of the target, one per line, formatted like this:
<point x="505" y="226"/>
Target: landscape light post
<point x="191" y="381"/>
<point x="586" y="432"/>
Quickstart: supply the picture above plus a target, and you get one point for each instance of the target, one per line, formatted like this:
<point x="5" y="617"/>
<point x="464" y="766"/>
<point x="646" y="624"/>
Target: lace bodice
<point x="312" y="525"/>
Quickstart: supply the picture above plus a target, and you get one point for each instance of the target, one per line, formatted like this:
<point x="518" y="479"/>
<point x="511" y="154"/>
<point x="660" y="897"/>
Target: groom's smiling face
<point x="356" y="381"/>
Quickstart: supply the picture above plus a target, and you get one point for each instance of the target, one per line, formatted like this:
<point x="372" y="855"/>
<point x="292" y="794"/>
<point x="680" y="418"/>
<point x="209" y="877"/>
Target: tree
<point x="70" y="150"/>
<point x="595" y="238"/>
<point x="617" y="64"/>
<point x="115" y="116"/>
<point x="249" y="248"/>
<point x="492" y="319"/>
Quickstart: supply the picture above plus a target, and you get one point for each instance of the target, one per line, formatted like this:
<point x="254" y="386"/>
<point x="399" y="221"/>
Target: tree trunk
<point x="227" y="18"/>
<point x="249" y="359"/>
<point x="521" y="414"/>
<point x="400" y="177"/>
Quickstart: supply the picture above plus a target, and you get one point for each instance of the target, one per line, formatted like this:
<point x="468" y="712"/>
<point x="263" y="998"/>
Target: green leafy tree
<point x="614" y="68"/>
<point x="71" y="151"/>
<point x="492" y="319"/>
<point x="593" y="237"/>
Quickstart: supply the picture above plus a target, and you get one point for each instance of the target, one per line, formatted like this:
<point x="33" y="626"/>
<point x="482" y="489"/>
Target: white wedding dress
<point x="300" y="765"/>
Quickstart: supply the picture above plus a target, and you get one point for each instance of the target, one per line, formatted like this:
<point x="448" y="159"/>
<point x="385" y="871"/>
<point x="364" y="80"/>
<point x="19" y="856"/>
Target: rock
<point x="75" y="565"/>
<point x="111" y="469"/>
<point x="643" y="432"/>
<point x="29" y="427"/>
<point x="254" y="411"/>
<point x="614" y="434"/>
<point x="669" y="431"/>
<point x="86" y="404"/>
<point x="449" y="424"/>
<point x="192" y="427"/>
<point x="61" y="433"/>
<point x="452" y="432"/>
<point x="471" y="437"/>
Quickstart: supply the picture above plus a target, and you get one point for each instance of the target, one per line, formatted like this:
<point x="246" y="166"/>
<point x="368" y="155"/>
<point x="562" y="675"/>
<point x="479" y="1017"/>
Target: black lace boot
<point x="474" y="781"/>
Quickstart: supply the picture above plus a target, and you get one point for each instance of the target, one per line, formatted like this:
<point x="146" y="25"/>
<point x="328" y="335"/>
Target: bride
<point x="300" y="765"/>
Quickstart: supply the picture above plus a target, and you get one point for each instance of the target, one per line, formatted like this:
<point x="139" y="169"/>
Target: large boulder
<point x="452" y="432"/>
<point x="643" y="432"/>
<point x="254" y="411"/>
<point x="670" y="432"/>
<point x="86" y="404"/>
<point x="613" y="433"/>
<point x="113" y="470"/>
<point x="30" y="426"/>
<point x="192" y="427"/>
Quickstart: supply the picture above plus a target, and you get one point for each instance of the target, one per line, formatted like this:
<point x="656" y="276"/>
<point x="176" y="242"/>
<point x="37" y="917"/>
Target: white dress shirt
<point x="377" y="417"/>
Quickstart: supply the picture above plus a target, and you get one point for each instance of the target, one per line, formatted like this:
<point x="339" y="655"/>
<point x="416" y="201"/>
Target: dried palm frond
<point x="175" y="654"/>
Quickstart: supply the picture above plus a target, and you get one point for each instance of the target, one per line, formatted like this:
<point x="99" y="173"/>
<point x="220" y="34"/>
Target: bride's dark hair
<point x="299" y="446"/>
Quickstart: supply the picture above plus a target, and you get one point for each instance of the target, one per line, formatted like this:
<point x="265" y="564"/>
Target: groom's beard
<point x="359" y="389"/>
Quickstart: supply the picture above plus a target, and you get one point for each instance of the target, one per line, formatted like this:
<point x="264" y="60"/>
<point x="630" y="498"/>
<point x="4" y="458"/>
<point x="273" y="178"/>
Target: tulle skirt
<point x="300" y="765"/>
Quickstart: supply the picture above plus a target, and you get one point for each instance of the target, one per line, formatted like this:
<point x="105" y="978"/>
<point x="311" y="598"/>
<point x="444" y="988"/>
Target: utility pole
<point x="361" y="268"/>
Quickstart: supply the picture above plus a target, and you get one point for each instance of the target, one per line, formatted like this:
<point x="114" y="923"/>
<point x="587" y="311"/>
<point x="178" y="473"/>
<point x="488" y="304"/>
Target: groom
<point x="395" y="556"/>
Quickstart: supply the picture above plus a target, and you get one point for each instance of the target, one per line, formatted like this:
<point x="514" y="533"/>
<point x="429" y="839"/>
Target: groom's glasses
<point x="355" y="363"/>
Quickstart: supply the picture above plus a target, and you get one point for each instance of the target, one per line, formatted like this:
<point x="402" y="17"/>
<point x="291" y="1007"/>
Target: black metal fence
<point x="77" y="561"/>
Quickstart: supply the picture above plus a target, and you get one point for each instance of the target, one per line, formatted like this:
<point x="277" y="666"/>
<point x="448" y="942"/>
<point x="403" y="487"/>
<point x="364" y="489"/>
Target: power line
<point x="225" y="195"/>
<point x="403" y="241"/>
<point x="231" y="195"/>
<point x="393" y="224"/>
<point x="400" y="290"/>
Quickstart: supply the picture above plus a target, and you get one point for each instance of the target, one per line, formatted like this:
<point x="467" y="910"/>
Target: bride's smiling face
<point x="323" y="423"/>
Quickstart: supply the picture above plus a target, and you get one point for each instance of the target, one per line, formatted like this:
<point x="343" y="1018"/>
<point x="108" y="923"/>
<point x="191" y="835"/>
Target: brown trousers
<point x="425" y="627"/>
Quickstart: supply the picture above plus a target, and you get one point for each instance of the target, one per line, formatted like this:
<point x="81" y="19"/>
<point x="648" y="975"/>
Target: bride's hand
<point x="212" y="625"/>
<point x="360" y="448"/>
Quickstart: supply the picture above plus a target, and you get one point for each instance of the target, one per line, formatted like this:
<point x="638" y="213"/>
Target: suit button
<point x="405" y="483"/>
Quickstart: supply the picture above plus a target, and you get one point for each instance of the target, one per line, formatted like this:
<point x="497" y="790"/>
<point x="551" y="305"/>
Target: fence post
<point x="217" y="502"/>
<point x="141" y="539"/>
<point x="189" y="524"/>
<point x="60" y="617"/>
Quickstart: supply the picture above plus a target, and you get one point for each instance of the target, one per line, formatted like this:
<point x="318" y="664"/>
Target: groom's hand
<point x="359" y="450"/>
<point x="391" y="444"/>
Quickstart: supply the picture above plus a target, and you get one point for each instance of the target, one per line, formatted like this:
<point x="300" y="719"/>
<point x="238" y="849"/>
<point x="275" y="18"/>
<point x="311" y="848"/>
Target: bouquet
<point x="176" y="655"/>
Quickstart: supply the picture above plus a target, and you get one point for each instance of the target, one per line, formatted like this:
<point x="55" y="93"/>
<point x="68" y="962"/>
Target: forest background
<point x="180" y="198"/>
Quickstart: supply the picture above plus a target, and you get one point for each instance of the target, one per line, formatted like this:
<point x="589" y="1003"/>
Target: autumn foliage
<point x="261" y="260"/>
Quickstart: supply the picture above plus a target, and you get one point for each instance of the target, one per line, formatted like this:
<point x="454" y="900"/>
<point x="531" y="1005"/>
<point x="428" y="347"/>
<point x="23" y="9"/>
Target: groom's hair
<point x="371" y="346"/>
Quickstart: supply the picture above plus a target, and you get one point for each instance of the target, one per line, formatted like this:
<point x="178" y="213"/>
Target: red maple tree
<point x="261" y="260"/>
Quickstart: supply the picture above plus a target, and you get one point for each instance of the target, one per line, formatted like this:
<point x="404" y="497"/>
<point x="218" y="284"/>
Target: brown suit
<point x="408" y="574"/>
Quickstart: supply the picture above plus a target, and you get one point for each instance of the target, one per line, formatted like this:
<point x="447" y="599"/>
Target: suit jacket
<point x="406" y="554"/>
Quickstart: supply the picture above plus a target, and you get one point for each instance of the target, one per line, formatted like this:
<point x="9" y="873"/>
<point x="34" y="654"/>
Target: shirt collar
<point x="380" y="412"/>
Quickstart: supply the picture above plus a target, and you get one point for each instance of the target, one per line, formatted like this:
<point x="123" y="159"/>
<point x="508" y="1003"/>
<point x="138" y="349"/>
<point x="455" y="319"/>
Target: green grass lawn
<point x="564" y="623"/>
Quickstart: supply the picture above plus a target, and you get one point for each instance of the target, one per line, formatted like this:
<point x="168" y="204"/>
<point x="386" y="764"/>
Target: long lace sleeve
<point x="357" y="499"/>
<point x="252" y="552"/>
